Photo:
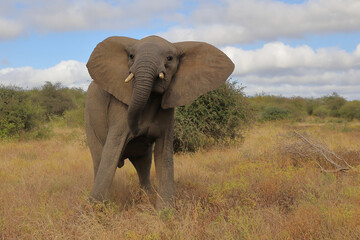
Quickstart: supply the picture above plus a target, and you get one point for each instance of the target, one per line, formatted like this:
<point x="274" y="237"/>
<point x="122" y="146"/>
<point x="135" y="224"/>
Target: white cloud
<point x="349" y="92"/>
<point x="63" y="15"/>
<point x="277" y="68"/>
<point x="216" y="34"/>
<point x="10" y="29"/>
<point x="69" y="73"/>
<point x="276" y="57"/>
<point x="74" y="15"/>
<point x="243" y="21"/>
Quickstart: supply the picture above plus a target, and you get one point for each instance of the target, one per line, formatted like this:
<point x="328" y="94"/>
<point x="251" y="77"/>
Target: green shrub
<point x="75" y="117"/>
<point x="272" y="113"/>
<point x="350" y="110"/>
<point x="270" y="107"/>
<point x="333" y="103"/>
<point x="77" y="95"/>
<point x="187" y="136"/>
<point x="216" y="117"/>
<point x="18" y="114"/>
<point x="321" y="111"/>
<point x="53" y="98"/>
<point x="311" y="105"/>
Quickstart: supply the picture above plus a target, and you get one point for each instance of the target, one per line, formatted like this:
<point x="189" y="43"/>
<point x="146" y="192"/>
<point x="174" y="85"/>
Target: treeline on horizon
<point x="218" y="117"/>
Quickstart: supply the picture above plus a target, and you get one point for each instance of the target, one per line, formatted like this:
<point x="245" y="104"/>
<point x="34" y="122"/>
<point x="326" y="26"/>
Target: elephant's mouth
<point x="131" y="76"/>
<point x="158" y="88"/>
<point x="160" y="85"/>
<point x="160" y="82"/>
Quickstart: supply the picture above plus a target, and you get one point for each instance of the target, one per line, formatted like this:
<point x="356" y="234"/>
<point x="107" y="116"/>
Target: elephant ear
<point x="108" y="66"/>
<point x="202" y="68"/>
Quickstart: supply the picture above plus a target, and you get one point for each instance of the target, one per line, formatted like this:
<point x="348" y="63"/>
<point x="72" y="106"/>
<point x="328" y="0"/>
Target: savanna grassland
<point x="251" y="189"/>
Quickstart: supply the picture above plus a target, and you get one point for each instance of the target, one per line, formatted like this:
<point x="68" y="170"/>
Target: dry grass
<point x="248" y="191"/>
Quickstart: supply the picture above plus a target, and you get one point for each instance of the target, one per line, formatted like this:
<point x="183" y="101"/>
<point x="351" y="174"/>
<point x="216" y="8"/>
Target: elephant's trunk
<point x="145" y="72"/>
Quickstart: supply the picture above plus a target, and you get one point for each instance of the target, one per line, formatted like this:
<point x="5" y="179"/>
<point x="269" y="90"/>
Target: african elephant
<point x="130" y="104"/>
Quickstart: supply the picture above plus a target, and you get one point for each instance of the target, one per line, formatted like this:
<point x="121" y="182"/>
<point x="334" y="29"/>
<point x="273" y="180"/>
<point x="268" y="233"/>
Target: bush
<point x="77" y="95"/>
<point x="53" y="98"/>
<point x="333" y="103"/>
<point x="321" y="111"/>
<point x="350" y="110"/>
<point x="216" y="117"/>
<point x="75" y="117"/>
<point x="24" y="111"/>
<point x="18" y="114"/>
<point x="270" y="107"/>
<point x="311" y="105"/>
<point x="272" y="113"/>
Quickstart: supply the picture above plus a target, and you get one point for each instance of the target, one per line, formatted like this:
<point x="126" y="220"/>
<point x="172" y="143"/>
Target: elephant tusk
<point x="161" y="75"/>
<point x="128" y="79"/>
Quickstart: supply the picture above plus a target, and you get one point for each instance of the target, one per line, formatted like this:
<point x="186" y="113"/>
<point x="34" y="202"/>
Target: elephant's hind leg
<point x="143" y="165"/>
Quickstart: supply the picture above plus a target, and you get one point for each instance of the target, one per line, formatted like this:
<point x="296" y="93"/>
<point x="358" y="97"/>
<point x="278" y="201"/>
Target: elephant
<point x="136" y="84"/>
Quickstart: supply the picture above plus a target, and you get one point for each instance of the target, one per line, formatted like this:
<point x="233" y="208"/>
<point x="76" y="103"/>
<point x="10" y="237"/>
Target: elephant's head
<point x="131" y="69"/>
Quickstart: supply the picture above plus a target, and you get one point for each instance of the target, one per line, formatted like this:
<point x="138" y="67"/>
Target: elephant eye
<point x="169" y="58"/>
<point x="131" y="56"/>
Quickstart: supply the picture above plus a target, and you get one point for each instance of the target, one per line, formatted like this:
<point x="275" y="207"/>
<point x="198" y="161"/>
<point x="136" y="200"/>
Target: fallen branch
<point x="312" y="149"/>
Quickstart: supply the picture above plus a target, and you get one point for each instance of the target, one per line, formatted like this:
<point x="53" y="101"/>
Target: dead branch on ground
<point x="302" y="147"/>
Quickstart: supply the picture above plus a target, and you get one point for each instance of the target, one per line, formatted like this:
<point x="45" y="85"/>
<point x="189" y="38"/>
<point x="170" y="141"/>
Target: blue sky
<point x="293" y="48"/>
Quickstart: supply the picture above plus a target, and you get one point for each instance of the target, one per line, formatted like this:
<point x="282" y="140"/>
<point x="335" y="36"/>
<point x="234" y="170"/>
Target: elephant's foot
<point x="97" y="202"/>
<point x="146" y="188"/>
<point x="97" y="196"/>
<point x="165" y="202"/>
<point x="98" y="206"/>
<point x="161" y="204"/>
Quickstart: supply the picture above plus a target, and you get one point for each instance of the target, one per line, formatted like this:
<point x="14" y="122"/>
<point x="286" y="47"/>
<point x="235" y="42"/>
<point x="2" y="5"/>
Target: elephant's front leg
<point x="164" y="165"/>
<point x="112" y="151"/>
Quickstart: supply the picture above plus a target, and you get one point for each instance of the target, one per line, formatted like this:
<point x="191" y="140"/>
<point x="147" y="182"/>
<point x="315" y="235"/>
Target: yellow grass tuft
<point x="251" y="190"/>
